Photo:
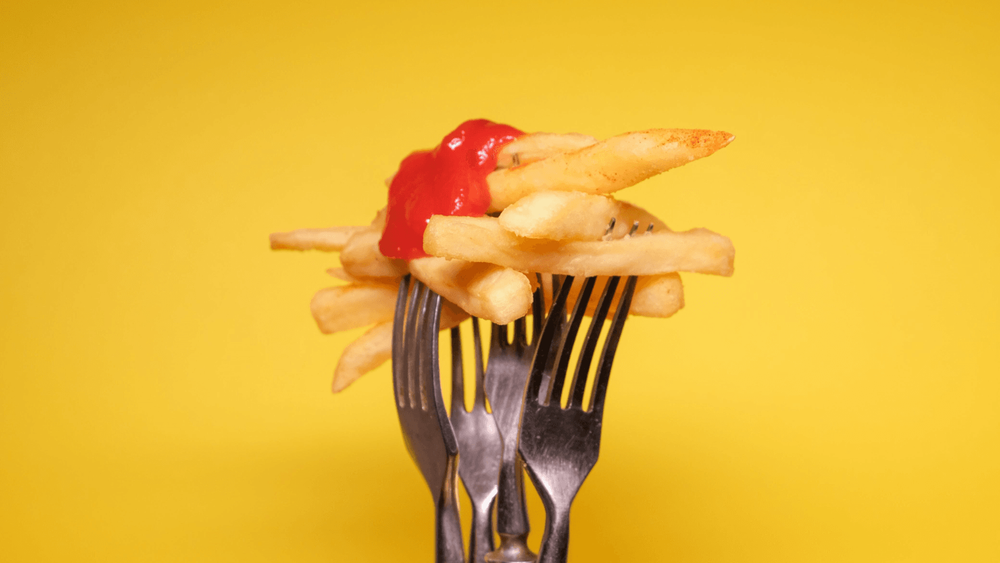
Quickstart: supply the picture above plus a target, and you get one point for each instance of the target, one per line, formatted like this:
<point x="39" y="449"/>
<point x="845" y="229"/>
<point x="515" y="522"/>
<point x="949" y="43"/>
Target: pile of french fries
<point x="550" y="214"/>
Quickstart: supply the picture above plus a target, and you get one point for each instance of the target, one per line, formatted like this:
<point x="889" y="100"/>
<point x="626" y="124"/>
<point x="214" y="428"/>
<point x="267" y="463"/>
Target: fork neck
<point x="448" y="546"/>
<point x="512" y="513"/>
<point x="555" y="542"/>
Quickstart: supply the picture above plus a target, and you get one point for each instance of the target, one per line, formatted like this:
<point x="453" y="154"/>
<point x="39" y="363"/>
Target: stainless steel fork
<point x="479" y="444"/>
<point x="561" y="445"/>
<point x="427" y="431"/>
<point x="506" y="373"/>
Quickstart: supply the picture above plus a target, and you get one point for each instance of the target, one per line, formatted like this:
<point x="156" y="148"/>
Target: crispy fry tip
<point x="340" y="383"/>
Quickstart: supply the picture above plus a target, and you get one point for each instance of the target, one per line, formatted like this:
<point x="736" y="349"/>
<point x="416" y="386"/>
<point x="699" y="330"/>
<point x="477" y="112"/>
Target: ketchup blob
<point x="449" y="180"/>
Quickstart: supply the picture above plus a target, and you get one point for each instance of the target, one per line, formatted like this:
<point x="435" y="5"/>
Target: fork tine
<point x="545" y="343"/>
<point x="398" y="357"/>
<point x="590" y="342"/>
<point x="556" y="285"/>
<point x="410" y="345"/>
<point x="420" y="342"/>
<point x="457" y="372"/>
<point x="566" y="347"/>
<point x="521" y="332"/>
<point x="593" y="333"/>
<point x="480" y="397"/>
<point x="498" y="336"/>
<point x="537" y="309"/>
<point x="431" y="381"/>
<point x="610" y="347"/>
<point x="432" y="374"/>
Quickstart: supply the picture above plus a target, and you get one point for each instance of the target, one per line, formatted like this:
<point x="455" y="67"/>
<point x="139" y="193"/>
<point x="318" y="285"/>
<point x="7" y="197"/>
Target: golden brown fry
<point x="557" y="215"/>
<point x="366" y="353"/>
<point x="352" y="306"/>
<point x="451" y="315"/>
<point x="657" y="296"/>
<point x="362" y="259"/>
<point x="536" y="146"/>
<point x="330" y="239"/>
<point x="608" y="166"/>
<point x="567" y="216"/>
<point x="374" y="347"/>
<point x="491" y="292"/>
<point x="482" y="239"/>
<point x="341" y="274"/>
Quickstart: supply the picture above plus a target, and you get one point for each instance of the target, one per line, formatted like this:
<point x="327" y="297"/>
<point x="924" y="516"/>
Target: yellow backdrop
<point x="165" y="393"/>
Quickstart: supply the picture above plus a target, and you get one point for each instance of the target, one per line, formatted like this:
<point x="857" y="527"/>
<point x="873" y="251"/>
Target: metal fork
<point x="427" y="431"/>
<point x="561" y="445"/>
<point x="480" y="444"/>
<point x="506" y="373"/>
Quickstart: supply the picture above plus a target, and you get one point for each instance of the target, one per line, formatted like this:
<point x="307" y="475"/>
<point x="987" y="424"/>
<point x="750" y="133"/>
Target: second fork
<point x="479" y="443"/>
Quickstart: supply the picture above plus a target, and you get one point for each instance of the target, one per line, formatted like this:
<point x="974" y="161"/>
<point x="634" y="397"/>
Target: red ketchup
<point x="449" y="180"/>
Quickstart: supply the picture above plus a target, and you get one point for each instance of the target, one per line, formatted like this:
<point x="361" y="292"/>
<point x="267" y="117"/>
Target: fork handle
<point x="555" y="542"/>
<point x="481" y="537"/>
<point x="448" y="544"/>
<point x="512" y="516"/>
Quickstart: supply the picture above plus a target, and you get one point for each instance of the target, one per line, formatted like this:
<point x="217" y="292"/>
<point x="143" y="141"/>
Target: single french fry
<point x="374" y="347"/>
<point x="341" y="274"/>
<point x="363" y="355"/>
<point x="536" y="146"/>
<point x="491" y="292"/>
<point x="482" y="239"/>
<point x="657" y="296"/>
<point x="352" y="306"/>
<point x="608" y="166"/>
<point x="331" y="239"/>
<point x="567" y="216"/>
<point x="361" y="257"/>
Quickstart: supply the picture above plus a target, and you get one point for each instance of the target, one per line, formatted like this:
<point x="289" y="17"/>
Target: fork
<point x="480" y="444"/>
<point x="427" y="432"/>
<point x="506" y="374"/>
<point x="560" y="445"/>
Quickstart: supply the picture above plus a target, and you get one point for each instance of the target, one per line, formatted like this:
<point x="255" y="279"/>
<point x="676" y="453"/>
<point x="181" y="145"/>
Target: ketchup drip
<point x="449" y="180"/>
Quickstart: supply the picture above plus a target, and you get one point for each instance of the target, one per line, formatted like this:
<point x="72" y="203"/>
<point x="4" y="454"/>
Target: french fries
<point x="361" y="258"/>
<point x="538" y="146"/>
<point x="573" y="216"/>
<point x="366" y="353"/>
<point x="608" y="166"/>
<point x="352" y="306"/>
<point x="331" y="239"/>
<point x="342" y="275"/>
<point x="374" y="347"/>
<point x="484" y="290"/>
<point x="551" y="208"/>
<point x="482" y="239"/>
<point x="658" y="296"/>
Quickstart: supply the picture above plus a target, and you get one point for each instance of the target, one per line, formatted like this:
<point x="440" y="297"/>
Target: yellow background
<point x="165" y="393"/>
